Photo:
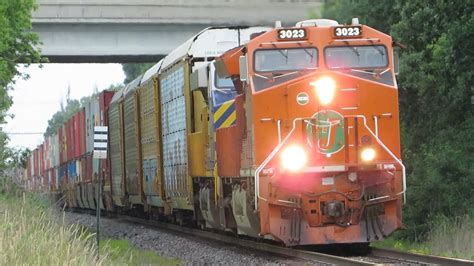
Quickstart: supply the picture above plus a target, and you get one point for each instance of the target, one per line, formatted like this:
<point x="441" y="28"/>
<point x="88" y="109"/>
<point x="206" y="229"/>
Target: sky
<point x="38" y="98"/>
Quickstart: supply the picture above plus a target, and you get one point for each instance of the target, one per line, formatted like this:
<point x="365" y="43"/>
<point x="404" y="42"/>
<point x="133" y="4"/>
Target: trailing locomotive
<point x="289" y="134"/>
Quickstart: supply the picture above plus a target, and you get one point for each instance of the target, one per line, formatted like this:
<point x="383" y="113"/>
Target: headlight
<point x="325" y="89"/>
<point x="367" y="154"/>
<point x="293" y="158"/>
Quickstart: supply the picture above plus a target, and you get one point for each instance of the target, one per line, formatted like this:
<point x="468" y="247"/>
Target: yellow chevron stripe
<point x="231" y="119"/>
<point x="222" y="109"/>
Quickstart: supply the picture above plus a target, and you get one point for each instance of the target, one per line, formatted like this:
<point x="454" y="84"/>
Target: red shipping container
<point x="61" y="144"/>
<point x="70" y="139"/>
<point x="82" y="131"/>
<point x="67" y="141"/>
<point x="45" y="178"/>
<point x="104" y="101"/>
<point x="28" y="167"/>
<point x="41" y="160"/>
<point x="35" y="161"/>
<point x="78" y="134"/>
<point x="89" y="167"/>
<point x="45" y="154"/>
<point x="53" y="179"/>
<point x="77" y="142"/>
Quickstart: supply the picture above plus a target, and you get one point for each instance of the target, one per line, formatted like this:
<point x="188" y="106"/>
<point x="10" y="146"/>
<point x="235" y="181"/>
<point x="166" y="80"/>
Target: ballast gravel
<point x="189" y="249"/>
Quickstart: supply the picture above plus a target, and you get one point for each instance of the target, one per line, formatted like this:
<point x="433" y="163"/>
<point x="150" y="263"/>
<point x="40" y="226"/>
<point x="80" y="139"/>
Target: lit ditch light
<point x="368" y="154"/>
<point x="293" y="158"/>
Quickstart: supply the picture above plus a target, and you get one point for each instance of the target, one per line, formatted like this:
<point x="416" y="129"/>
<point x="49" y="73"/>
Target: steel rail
<point x="425" y="259"/>
<point x="378" y="253"/>
<point x="248" y="244"/>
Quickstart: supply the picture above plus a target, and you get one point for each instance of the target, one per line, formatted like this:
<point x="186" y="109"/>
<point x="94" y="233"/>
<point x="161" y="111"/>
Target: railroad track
<point x="417" y="258"/>
<point x="377" y="256"/>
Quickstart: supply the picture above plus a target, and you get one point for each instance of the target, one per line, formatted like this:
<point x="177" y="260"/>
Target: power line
<point x="24" y="133"/>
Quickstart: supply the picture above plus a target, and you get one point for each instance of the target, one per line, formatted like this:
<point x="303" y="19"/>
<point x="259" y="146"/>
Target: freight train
<point x="287" y="133"/>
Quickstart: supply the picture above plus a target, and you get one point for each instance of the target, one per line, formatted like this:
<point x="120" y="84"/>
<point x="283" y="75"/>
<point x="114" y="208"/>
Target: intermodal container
<point x="62" y="174"/>
<point x="59" y="132"/>
<point x="101" y="166"/>
<point x="79" y="169"/>
<point x="91" y="114"/>
<point x="35" y="162"/>
<point x="77" y="135"/>
<point x="77" y="132"/>
<point x="41" y="160"/>
<point x="46" y="154"/>
<point x="28" y="167"/>
<point x="52" y="181"/>
<point x="82" y="131"/>
<point x="104" y="100"/>
<point x="68" y="141"/>
<point x="47" y="178"/>
<point x="88" y="167"/>
<point x="55" y="151"/>
<point x="71" y="172"/>
<point x="84" y="168"/>
<point x="58" y="180"/>
<point x="32" y="163"/>
<point x="71" y="139"/>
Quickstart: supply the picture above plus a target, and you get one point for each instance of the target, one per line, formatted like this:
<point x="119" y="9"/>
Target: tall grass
<point x="448" y="237"/>
<point x="452" y="237"/>
<point x="31" y="234"/>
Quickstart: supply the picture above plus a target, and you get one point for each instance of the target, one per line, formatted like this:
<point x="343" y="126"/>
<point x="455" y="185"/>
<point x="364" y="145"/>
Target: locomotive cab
<point x="321" y="107"/>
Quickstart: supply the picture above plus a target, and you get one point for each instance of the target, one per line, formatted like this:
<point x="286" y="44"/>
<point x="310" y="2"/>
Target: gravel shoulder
<point x="190" y="249"/>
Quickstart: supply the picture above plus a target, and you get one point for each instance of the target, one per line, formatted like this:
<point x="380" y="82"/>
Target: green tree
<point x="133" y="70"/>
<point x="17" y="45"/>
<point x="372" y="13"/>
<point x="65" y="112"/>
<point x="17" y="157"/>
<point x="437" y="117"/>
<point x="71" y="107"/>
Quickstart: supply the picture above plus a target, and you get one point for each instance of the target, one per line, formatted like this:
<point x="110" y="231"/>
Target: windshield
<point x="223" y="90"/>
<point x="356" y="56"/>
<point x="272" y="60"/>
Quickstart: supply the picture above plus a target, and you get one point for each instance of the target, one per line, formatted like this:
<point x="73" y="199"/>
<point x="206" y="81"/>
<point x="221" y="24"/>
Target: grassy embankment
<point x="32" y="233"/>
<point x="448" y="238"/>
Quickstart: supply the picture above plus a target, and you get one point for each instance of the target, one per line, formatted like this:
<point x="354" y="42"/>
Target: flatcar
<point x="287" y="133"/>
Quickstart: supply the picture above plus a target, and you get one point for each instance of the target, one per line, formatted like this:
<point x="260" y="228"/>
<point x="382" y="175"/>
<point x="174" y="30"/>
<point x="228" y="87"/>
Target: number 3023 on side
<point x="350" y="31"/>
<point x="291" y="34"/>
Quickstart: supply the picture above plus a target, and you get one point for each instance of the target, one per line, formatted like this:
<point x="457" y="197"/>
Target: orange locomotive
<point x="316" y="135"/>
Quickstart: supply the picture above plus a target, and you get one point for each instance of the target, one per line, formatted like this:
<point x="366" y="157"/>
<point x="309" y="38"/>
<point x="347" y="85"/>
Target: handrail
<point x="280" y="145"/>
<point x="389" y="152"/>
<point x="268" y="159"/>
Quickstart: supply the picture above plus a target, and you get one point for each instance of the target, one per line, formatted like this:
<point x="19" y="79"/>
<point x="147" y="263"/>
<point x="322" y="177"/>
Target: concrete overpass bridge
<point x="146" y="30"/>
